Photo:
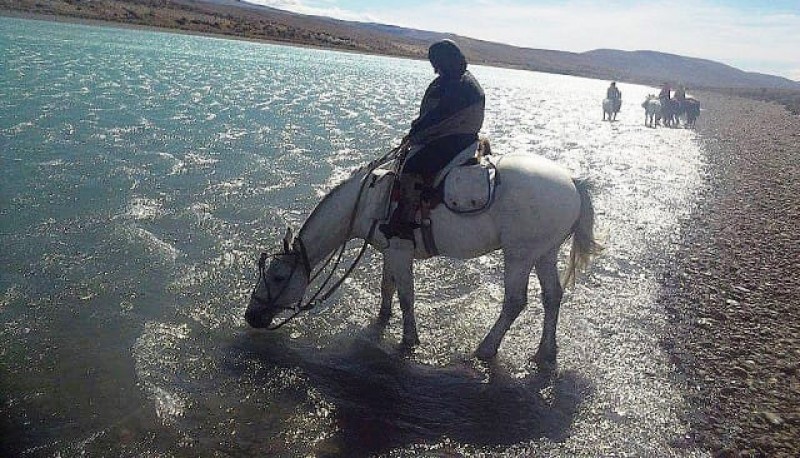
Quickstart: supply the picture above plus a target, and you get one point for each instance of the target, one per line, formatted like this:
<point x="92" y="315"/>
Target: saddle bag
<point x="470" y="188"/>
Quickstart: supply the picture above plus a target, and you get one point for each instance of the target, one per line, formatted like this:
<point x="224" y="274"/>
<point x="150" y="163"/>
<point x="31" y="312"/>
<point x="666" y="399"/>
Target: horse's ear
<point x="287" y="240"/>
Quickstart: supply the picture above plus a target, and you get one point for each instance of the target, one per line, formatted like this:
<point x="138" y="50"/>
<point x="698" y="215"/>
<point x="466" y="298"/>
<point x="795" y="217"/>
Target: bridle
<point x="300" y="258"/>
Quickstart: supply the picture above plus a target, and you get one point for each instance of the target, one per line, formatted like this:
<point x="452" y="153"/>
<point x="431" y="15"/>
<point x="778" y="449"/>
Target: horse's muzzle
<point x="256" y="316"/>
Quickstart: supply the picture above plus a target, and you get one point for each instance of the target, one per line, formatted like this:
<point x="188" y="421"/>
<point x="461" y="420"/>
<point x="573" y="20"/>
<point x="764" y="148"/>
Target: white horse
<point x="611" y="108"/>
<point x="537" y="206"/>
<point x="652" y="110"/>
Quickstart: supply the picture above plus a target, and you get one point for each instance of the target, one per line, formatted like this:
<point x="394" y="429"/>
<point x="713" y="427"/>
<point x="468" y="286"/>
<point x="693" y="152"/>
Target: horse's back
<point x="532" y="168"/>
<point x="652" y="105"/>
<point x="536" y="193"/>
<point x="534" y="209"/>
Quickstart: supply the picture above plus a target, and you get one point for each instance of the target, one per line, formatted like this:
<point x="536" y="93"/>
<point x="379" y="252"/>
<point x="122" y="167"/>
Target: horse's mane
<point x="368" y="167"/>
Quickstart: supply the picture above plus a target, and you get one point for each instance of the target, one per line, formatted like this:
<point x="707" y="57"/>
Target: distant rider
<point x="665" y="93"/>
<point x="450" y="117"/>
<point x="680" y="93"/>
<point x="668" y="108"/>
<point x="614" y="94"/>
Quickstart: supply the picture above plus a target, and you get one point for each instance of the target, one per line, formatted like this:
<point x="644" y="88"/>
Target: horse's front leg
<point x="517" y="269"/>
<point x="388" y="288"/>
<point x="399" y="260"/>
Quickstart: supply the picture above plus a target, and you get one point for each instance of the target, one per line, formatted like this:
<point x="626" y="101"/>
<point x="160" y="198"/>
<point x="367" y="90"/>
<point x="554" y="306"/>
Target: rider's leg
<point x="402" y="221"/>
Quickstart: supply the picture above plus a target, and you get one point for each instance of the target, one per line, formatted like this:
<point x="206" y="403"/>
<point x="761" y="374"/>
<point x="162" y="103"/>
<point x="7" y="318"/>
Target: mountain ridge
<point x="633" y="66"/>
<point x="699" y="71"/>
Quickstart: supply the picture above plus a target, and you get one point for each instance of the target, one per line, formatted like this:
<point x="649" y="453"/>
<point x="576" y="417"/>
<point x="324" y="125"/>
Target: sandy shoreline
<point x="733" y="293"/>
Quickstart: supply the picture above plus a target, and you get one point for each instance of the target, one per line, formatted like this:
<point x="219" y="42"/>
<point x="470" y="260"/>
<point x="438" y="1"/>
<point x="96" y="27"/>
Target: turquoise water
<point x="141" y="174"/>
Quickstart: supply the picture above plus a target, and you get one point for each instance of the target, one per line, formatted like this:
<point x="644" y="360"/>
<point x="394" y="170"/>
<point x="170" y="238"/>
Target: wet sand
<point x="733" y="293"/>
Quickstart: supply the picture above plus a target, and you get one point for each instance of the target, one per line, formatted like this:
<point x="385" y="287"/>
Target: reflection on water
<point x="142" y="173"/>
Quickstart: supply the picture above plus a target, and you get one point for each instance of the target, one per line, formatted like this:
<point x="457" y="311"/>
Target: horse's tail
<point x="584" y="245"/>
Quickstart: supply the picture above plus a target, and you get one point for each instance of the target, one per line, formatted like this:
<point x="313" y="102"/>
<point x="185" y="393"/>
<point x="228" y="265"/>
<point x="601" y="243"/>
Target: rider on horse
<point x="450" y="117"/>
<point x="665" y="92"/>
<point x="614" y="94"/>
<point x="680" y="93"/>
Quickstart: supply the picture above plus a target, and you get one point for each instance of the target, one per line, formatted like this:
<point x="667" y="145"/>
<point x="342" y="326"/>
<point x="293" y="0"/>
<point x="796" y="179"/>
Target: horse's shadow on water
<point x="384" y="400"/>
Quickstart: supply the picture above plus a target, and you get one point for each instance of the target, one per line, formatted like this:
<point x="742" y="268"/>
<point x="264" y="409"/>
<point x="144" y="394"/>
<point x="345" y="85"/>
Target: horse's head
<point x="281" y="284"/>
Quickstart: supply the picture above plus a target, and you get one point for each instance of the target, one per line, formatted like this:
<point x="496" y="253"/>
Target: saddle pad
<point x="376" y="180"/>
<point x="470" y="188"/>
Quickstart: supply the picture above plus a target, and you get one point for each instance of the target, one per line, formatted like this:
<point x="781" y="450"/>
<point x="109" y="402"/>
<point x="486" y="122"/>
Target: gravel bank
<point x="733" y="293"/>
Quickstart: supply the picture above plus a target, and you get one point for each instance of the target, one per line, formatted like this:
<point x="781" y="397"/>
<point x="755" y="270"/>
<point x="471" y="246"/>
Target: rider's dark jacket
<point x="613" y="93"/>
<point x="450" y="117"/>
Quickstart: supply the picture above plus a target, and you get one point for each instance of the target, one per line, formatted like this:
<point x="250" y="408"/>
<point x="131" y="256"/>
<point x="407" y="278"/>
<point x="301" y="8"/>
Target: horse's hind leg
<point x="517" y="269"/>
<point x="552" y="292"/>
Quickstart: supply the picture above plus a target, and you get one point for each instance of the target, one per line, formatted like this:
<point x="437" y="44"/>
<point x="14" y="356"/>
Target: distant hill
<point x="654" y="66"/>
<point x="246" y="20"/>
<point x="648" y="67"/>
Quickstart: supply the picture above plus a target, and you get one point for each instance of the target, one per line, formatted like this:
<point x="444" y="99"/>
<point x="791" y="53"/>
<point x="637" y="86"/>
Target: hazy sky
<point x="762" y="36"/>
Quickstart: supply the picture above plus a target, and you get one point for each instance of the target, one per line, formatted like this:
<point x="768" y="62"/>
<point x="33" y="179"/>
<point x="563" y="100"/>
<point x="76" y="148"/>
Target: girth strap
<point x="426" y="228"/>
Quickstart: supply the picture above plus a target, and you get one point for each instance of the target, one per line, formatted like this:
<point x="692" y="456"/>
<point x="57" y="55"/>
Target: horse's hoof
<point x="410" y="342"/>
<point x="485" y="354"/>
<point x="545" y="360"/>
<point x="546" y="367"/>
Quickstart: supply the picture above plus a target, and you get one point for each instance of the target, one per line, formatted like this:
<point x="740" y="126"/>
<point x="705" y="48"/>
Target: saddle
<point x="465" y="186"/>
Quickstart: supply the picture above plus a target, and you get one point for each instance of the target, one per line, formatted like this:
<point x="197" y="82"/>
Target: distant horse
<point x="652" y="110"/>
<point x="537" y="208"/>
<point x="691" y="108"/>
<point x="611" y="108"/>
<point x="669" y="112"/>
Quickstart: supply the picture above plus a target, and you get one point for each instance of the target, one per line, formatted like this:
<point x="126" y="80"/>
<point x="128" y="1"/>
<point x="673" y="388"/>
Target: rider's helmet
<point x="447" y="59"/>
<point x="614" y="83"/>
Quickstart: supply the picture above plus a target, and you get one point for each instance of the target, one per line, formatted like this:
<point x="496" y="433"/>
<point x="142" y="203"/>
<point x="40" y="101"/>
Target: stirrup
<point x="401" y="231"/>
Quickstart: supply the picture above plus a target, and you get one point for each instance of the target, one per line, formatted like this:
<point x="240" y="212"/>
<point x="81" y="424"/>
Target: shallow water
<point x="142" y="173"/>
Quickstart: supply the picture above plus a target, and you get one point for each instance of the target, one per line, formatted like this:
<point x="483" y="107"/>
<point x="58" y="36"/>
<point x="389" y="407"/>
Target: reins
<point x="298" y="249"/>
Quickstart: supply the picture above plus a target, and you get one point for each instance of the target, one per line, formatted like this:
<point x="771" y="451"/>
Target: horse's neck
<point x="329" y="225"/>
